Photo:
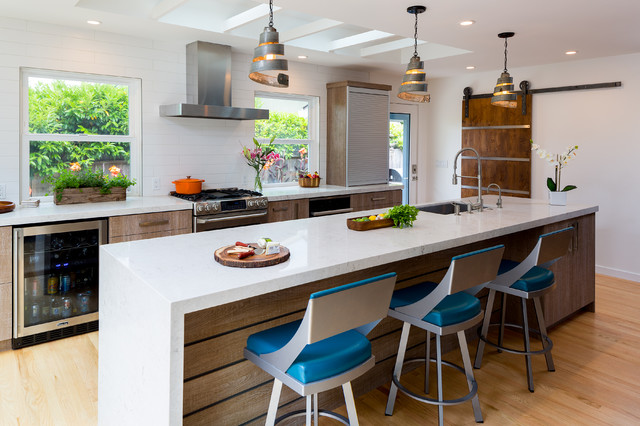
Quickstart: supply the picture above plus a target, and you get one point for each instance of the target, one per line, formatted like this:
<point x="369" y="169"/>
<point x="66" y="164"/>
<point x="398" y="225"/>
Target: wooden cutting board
<point x="256" y="261"/>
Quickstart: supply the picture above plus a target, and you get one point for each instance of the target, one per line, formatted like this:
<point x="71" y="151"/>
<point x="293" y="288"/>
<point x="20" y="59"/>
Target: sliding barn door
<point x="501" y="136"/>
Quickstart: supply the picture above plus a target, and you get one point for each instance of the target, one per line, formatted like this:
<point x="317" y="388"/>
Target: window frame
<point x="314" y="135"/>
<point x="135" y="124"/>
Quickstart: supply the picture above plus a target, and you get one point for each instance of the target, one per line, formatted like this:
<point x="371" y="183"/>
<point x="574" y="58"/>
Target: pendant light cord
<point x="271" y="14"/>
<point x="415" y="38"/>
<point x="505" y="54"/>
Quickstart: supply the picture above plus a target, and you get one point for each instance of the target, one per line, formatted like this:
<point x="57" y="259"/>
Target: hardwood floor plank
<point x="597" y="377"/>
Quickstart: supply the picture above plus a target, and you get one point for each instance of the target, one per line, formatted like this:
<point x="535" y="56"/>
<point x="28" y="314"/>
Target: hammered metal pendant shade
<point x="414" y="84"/>
<point x="503" y="94"/>
<point x="268" y="60"/>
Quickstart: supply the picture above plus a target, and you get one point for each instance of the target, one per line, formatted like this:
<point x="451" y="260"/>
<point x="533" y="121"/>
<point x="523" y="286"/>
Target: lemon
<point x="372" y="217"/>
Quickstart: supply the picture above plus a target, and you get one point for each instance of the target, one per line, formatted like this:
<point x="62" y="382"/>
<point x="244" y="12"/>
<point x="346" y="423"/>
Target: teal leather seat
<point x="455" y="308"/>
<point x="318" y="361"/>
<point x="535" y="279"/>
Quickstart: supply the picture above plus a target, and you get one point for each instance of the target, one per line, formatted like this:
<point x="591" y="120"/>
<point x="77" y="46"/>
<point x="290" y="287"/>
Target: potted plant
<point x="73" y="186"/>
<point x="557" y="196"/>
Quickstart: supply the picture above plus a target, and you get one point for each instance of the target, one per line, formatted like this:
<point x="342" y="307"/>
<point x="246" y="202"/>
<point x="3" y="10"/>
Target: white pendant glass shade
<point x="268" y="60"/>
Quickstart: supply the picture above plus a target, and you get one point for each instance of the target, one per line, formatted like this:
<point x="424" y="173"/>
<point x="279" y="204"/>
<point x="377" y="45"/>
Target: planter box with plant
<point x="73" y="186"/>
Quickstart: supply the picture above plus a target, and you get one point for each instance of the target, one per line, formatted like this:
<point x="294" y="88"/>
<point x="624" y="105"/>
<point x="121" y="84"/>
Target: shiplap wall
<point x="171" y="147"/>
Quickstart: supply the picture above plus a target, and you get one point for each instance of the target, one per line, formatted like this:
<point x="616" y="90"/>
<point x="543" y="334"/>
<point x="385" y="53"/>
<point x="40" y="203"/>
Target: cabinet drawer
<point x="136" y="237"/>
<point x="288" y="210"/>
<point x="149" y="223"/>
<point x="375" y="200"/>
<point x="5" y="254"/>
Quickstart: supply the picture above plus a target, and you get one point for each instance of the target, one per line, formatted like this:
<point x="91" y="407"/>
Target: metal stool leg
<point x="309" y="409"/>
<point x="316" y="409"/>
<point x="503" y="314"/>
<point x="427" y="362"/>
<point x="527" y="346"/>
<point x="273" y="403"/>
<point x="485" y="328"/>
<point x="351" y="404"/>
<point x="466" y="360"/>
<point x="397" y="371"/>
<point x="543" y="332"/>
<point x="439" y="368"/>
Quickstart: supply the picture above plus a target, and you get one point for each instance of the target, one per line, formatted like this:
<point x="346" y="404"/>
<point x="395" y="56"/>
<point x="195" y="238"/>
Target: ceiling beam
<point x="164" y="7"/>
<point x="308" y="29"/>
<point x="247" y="16"/>
<point x="388" y="47"/>
<point x="357" y="39"/>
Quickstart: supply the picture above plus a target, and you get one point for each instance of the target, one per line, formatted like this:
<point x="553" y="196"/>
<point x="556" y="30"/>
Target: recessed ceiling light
<point x="302" y="56"/>
<point x="571" y="52"/>
<point x="93" y="22"/>
<point x="471" y="67"/>
<point x="467" y="23"/>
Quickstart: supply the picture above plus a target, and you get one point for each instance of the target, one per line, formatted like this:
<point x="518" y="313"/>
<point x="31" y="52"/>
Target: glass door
<point x="399" y="151"/>
<point x="56" y="278"/>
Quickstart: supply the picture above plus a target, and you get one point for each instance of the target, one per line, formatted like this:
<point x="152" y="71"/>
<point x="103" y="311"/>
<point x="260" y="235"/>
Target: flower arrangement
<point x="261" y="157"/>
<point x="74" y="177"/>
<point x="559" y="161"/>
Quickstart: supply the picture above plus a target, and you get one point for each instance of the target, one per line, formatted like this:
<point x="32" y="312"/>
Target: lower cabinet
<point x="5" y="287"/>
<point x="149" y="225"/>
<point x="376" y="200"/>
<point x="288" y="210"/>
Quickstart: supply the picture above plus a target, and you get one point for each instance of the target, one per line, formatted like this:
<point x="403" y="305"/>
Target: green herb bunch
<point x="403" y="215"/>
<point x="87" y="179"/>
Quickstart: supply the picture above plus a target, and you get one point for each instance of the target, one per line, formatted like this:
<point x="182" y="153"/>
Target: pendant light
<point x="414" y="85"/>
<point x="503" y="94"/>
<point x="268" y="57"/>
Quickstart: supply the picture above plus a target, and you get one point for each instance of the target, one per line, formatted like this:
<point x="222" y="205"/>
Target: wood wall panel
<point x="513" y="143"/>
<point x="482" y="113"/>
<point x="510" y="175"/>
<point x="336" y="134"/>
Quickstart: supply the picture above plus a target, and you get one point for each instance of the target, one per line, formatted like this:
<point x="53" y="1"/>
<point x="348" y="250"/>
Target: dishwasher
<point x="329" y="205"/>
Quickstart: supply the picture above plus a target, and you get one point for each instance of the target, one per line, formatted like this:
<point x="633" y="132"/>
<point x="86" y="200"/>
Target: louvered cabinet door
<point x="367" y="137"/>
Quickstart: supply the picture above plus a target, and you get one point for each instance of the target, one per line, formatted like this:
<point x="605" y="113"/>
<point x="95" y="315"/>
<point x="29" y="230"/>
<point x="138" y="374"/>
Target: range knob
<point x="263" y="202"/>
<point x="208" y="207"/>
<point x="200" y="208"/>
<point x="215" y="207"/>
<point x="250" y="203"/>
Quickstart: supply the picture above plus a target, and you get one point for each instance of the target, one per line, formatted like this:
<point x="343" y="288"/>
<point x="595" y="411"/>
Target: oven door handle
<point x="328" y="212"/>
<point x="221" y="219"/>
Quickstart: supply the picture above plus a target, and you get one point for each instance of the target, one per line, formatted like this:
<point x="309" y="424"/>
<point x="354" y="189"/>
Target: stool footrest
<point x="516" y="351"/>
<point x="325" y="413"/>
<point x="428" y="400"/>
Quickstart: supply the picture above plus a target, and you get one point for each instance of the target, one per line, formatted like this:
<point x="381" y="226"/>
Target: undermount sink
<point x="444" y="208"/>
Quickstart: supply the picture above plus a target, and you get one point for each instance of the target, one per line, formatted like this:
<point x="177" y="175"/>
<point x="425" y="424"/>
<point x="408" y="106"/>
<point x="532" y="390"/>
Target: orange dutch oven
<point x="188" y="185"/>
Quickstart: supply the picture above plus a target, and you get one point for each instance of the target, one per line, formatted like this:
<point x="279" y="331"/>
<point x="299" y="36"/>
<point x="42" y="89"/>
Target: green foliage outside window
<point x="283" y="125"/>
<point x="396" y="139"/>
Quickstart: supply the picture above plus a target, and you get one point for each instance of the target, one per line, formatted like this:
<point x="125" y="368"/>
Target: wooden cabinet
<point x="149" y="225"/>
<point x="357" y="133"/>
<point x="288" y="210"/>
<point x="376" y="200"/>
<point x="5" y="287"/>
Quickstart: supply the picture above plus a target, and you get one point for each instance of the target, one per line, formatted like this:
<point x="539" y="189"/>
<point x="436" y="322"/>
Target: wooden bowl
<point x="366" y="226"/>
<point x="6" y="206"/>
<point x="307" y="182"/>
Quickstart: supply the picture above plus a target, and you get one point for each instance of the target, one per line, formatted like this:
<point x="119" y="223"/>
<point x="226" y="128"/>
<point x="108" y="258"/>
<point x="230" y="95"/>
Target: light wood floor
<point x="597" y="377"/>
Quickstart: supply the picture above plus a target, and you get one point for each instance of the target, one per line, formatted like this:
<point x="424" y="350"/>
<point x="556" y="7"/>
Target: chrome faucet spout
<point x="499" y="203"/>
<point x="454" y="181"/>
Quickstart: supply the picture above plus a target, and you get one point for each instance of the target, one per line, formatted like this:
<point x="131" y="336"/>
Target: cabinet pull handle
<point x="154" y="223"/>
<point x="281" y="209"/>
<point x="378" y="198"/>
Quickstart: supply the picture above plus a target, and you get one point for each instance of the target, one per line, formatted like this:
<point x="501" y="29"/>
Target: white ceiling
<point x="335" y="32"/>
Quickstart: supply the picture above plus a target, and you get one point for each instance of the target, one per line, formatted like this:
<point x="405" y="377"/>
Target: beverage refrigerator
<point x="55" y="291"/>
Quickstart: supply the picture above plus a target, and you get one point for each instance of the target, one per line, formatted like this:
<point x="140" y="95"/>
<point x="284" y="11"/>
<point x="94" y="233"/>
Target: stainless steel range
<point x="226" y="208"/>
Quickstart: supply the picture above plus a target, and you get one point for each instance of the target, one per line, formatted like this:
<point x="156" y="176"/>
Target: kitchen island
<point x="173" y="321"/>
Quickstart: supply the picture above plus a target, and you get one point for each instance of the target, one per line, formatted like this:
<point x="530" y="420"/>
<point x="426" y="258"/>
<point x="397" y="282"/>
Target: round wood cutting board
<point x="256" y="261"/>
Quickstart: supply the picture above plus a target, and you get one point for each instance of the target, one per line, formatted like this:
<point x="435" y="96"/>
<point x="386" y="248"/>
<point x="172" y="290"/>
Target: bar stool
<point x="326" y="349"/>
<point x="443" y="309"/>
<point x="529" y="279"/>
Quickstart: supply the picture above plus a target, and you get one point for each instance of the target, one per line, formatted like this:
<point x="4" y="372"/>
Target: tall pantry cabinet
<point x="357" y="133"/>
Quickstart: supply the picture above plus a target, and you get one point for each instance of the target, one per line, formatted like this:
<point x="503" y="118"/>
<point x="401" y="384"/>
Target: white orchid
<point x="558" y="161"/>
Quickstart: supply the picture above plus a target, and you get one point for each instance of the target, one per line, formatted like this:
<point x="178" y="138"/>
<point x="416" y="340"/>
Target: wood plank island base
<point x="188" y="317"/>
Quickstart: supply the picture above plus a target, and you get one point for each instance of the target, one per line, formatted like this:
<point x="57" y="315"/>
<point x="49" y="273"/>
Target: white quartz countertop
<point x="49" y="212"/>
<point x="182" y="270"/>
<point x="296" y="192"/>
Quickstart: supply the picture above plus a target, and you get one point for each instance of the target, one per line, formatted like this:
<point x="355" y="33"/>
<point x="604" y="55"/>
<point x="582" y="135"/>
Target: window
<point x="293" y="121"/>
<point x="69" y="118"/>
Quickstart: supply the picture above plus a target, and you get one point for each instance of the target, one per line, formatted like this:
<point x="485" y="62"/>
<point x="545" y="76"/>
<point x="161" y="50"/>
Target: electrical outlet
<point x="155" y="184"/>
<point x="442" y="164"/>
<point x="3" y="191"/>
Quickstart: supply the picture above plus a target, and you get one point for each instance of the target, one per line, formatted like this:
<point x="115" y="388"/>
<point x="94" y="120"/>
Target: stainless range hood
<point x="209" y="86"/>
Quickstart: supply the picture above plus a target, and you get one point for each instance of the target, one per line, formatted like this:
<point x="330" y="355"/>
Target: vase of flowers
<point x="557" y="196"/>
<point x="261" y="157"/>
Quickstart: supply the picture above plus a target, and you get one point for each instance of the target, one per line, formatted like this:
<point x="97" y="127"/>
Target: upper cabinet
<point x="357" y="133"/>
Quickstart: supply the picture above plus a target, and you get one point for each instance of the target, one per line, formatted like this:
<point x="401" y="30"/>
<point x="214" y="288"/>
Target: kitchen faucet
<point x="499" y="203"/>
<point x="454" y="181"/>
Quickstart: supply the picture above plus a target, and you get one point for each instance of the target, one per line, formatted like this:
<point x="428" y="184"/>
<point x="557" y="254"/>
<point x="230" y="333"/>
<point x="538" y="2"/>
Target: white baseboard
<point x="618" y="273"/>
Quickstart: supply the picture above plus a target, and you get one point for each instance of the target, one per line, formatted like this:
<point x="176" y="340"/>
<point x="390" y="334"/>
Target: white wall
<point x="172" y="147"/>
<point x="602" y="122"/>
